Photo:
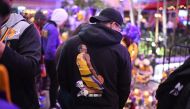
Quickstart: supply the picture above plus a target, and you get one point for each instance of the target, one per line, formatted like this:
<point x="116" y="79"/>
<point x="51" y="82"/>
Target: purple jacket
<point x="5" y="105"/>
<point x="50" y="40"/>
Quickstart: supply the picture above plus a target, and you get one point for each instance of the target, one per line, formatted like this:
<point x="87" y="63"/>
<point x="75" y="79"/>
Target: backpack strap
<point x="4" y="36"/>
<point x="15" y="31"/>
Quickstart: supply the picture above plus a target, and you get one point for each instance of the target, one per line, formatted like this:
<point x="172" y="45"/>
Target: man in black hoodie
<point x="20" y="54"/>
<point x="109" y="87"/>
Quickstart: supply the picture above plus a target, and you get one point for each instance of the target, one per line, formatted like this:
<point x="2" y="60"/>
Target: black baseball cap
<point x="108" y="15"/>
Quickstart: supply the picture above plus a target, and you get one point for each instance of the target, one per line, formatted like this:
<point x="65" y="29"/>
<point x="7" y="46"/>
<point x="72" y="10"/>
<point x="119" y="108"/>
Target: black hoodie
<point x="21" y="58"/>
<point x="108" y="57"/>
<point x="169" y="94"/>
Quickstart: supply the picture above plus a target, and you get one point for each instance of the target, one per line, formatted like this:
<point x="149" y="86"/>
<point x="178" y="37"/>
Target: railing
<point x="177" y="54"/>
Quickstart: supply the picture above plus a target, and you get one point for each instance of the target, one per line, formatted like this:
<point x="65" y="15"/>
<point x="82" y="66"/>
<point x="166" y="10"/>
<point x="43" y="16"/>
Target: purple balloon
<point x="132" y="32"/>
<point x="75" y="9"/>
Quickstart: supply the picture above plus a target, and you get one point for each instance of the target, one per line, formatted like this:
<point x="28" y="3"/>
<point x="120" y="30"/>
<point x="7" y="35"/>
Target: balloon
<point x="75" y="9"/>
<point x="132" y="32"/>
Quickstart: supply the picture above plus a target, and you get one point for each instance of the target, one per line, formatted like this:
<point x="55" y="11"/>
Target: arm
<point x="87" y="58"/>
<point x="24" y="62"/>
<point x="92" y="70"/>
<point x="2" y="49"/>
<point x="124" y="79"/>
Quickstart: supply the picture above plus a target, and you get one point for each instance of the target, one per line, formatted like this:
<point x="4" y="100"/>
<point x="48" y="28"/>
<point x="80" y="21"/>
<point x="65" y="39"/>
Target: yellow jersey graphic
<point x="91" y="82"/>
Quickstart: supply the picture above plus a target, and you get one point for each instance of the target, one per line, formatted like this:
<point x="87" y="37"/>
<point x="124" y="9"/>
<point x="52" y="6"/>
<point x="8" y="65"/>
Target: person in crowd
<point x="42" y="80"/>
<point x="108" y="57"/>
<point x="20" y="54"/>
<point x="50" y="42"/>
<point x="40" y="20"/>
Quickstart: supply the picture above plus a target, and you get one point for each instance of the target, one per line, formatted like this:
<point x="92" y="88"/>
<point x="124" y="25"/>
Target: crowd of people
<point x="95" y="68"/>
<point x="81" y="74"/>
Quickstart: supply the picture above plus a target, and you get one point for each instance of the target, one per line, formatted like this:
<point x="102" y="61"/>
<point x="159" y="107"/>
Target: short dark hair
<point x="39" y="15"/>
<point x="80" y="46"/>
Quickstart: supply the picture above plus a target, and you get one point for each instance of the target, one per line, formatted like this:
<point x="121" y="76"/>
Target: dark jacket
<point x="174" y="92"/>
<point x="109" y="58"/>
<point x="21" y="58"/>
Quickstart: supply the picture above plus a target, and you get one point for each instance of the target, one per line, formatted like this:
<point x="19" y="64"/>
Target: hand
<point x="101" y="79"/>
<point x="2" y="49"/>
